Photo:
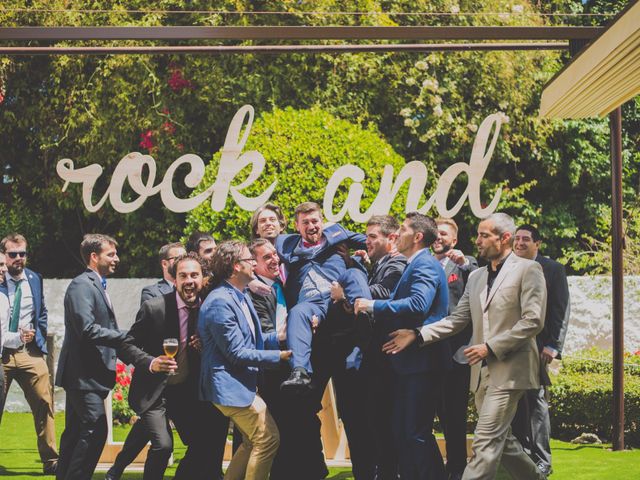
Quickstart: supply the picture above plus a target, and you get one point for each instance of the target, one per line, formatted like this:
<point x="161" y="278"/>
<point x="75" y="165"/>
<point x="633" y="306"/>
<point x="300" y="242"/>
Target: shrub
<point x="581" y="396"/>
<point x="302" y="149"/>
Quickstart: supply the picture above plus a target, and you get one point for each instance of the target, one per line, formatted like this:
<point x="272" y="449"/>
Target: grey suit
<point x="506" y="319"/>
<point x="87" y="371"/>
<point x="158" y="289"/>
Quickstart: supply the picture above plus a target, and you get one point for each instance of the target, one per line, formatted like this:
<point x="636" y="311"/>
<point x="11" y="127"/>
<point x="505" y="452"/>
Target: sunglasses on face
<point x="17" y="254"/>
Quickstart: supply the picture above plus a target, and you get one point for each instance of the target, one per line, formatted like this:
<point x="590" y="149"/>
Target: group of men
<point x="402" y="322"/>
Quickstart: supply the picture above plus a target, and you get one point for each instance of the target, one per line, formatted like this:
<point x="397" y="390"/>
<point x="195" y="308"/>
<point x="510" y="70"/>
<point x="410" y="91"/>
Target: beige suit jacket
<point x="508" y="321"/>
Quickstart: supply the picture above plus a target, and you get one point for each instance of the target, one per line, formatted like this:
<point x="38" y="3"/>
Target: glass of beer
<point x="170" y="346"/>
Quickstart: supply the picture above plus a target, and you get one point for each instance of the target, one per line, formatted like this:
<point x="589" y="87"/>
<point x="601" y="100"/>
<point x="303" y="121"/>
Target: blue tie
<point x="104" y="283"/>
<point x="281" y="304"/>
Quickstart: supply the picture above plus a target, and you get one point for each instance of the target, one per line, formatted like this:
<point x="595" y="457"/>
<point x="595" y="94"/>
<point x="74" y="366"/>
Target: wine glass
<point x="170" y="346"/>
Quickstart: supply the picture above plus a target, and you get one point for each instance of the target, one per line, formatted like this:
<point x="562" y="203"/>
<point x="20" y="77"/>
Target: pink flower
<point x="177" y="82"/>
<point x="169" y="128"/>
<point x="120" y="367"/>
<point x="118" y="396"/>
<point x="146" y="140"/>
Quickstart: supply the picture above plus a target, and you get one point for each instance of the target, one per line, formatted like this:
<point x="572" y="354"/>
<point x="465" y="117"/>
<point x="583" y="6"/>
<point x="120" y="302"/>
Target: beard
<point x="15" y="269"/>
<point x="442" y="248"/>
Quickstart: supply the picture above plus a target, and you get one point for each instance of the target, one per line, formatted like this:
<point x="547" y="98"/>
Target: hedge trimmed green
<point x="302" y="149"/>
<point x="581" y="397"/>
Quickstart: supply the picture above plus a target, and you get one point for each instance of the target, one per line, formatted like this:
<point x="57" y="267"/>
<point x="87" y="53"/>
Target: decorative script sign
<point x="232" y="161"/>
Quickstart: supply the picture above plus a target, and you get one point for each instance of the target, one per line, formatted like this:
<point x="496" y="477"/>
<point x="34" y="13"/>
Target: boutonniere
<point x="452" y="278"/>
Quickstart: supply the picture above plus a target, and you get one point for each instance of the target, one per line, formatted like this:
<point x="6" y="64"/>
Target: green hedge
<point x="581" y="397"/>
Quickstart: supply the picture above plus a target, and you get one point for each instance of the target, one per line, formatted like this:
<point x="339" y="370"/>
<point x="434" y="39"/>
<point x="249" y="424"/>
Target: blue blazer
<point x="230" y="354"/>
<point x="420" y="298"/>
<point x="40" y="317"/>
<point x="299" y="261"/>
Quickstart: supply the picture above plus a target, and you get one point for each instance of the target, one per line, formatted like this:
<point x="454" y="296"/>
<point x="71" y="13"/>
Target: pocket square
<point x="452" y="278"/>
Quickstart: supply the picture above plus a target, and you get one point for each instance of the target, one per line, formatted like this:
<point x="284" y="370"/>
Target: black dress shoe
<point x="112" y="475"/>
<point x="50" y="468"/>
<point x="298" y="382"/>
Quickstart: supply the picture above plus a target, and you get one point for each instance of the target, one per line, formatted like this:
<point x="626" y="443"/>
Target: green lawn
<point x="19" y="457"/>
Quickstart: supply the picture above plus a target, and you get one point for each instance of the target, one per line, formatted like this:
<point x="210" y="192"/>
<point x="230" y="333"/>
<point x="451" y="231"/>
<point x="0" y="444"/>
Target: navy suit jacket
<point x="230" y="353"/>
<point x="299" y="261"/>
<point x="420" y="298"/>
<point x="39" y="308"/>
<point x="92" y="339"/>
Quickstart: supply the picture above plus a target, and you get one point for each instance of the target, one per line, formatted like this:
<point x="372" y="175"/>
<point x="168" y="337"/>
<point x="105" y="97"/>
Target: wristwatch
<point x="419" y="339"/>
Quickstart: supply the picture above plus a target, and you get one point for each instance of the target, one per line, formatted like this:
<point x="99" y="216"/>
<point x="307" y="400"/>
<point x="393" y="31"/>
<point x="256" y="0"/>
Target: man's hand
<point x="362" y="254"/>
<point x="195" y="343"/>
<point x="163" y="364"/>
<point x="315" y="321"/>
<point x="27" y="335"/>
<point x="285" y="354"/>
<point x="456" y="256"/>
<point x="337" y="292"/>
<point x="362" y="305"/>
<point x="259" y="288"/>
<point x="476" y="353"/>
<point x="343" y="251"/>
<point x="400" y="339"/>
<point x="547" y="355"/>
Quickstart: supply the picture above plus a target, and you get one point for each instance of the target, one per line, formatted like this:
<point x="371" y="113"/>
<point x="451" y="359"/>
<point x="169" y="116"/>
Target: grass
<point x="19" y="457"/>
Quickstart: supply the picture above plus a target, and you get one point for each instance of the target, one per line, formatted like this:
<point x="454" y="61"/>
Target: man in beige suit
<point x="506" y="302"/>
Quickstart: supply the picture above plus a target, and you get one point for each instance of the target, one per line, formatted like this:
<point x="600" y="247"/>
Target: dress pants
<point x="200" y="426"/>
<point x="3" y="393"/>
<point x="299" y="331"/>
<point x="379" y="377"/>
<point x="260" y="441"/>
<point x="532" y="426"/>
<point x="136" y="440"/>
<point x="29" y="368"/>
<point x="414" y="408"/>
<point x="84" y="434"/>
<point x="493" y="442"/>
<point x="452" y="412"/>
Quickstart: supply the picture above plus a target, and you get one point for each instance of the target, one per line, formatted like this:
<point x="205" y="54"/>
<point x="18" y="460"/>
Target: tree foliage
<point x="96" y="109"/>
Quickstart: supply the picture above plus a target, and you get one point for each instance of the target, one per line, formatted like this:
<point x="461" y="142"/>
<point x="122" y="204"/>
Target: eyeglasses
<point x="17" y="254"/>
<point x="250" y="260"/>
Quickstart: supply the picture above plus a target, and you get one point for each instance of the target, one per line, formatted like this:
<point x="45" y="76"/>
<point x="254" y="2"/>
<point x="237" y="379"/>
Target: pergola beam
<point x="297" y="33"/>
<point x="282" y="49"/>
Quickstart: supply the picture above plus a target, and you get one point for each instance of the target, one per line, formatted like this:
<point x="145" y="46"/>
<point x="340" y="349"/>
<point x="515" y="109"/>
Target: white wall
<point x="590" y="316"/>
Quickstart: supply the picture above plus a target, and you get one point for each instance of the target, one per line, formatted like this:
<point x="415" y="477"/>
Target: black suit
<point x="87" y="371"/>
<point x="452" y="409"/>
<point x="200" y="426"/>
<point x="374" y="380"/>
<point x="161" y="287"/>
<point x="531" y="425"/>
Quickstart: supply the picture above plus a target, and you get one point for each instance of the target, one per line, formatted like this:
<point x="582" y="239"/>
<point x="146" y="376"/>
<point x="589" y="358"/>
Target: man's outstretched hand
<point x="400" y="339"/>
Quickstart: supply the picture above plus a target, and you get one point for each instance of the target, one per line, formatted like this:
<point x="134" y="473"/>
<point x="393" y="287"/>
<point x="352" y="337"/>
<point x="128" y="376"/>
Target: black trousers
<point x="84" y="435"/>
<point x="452" y="412"/>
<point x="201" y="426"/>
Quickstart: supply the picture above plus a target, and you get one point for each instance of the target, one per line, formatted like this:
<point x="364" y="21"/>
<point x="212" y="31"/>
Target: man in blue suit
<point x="232" y="352"/>
<point x="420" y="298"/>
<point x="314" y="258"/>
<point x="24" y="334"/>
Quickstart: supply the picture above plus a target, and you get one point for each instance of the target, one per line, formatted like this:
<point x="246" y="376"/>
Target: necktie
<point x="281" y="305"/>
<point x="15" y="312"/>
<point x="192" y="323"/>
<point x="104" y="283"/>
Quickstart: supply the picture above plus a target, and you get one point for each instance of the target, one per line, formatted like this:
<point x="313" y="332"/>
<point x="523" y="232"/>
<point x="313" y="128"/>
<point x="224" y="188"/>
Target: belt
<point x="21" y="348"/>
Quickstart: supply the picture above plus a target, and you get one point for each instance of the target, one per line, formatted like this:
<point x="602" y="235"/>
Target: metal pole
<point x="617" y="245"/>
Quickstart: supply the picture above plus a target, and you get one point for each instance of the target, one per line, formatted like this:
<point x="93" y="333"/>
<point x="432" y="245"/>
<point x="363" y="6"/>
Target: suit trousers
<point x="84" y="435"/>
<point x="29" y="368"/>
<point x="532" y="426"/>
<point x="3" y="393"/>
<point x="200" y="426"/>
<point x="136" y="440"/>
<point x="260" y="441"/>
<point x="414" y="407"/>
<point x="493" y="442"/>
<point x="452" y="412"/>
